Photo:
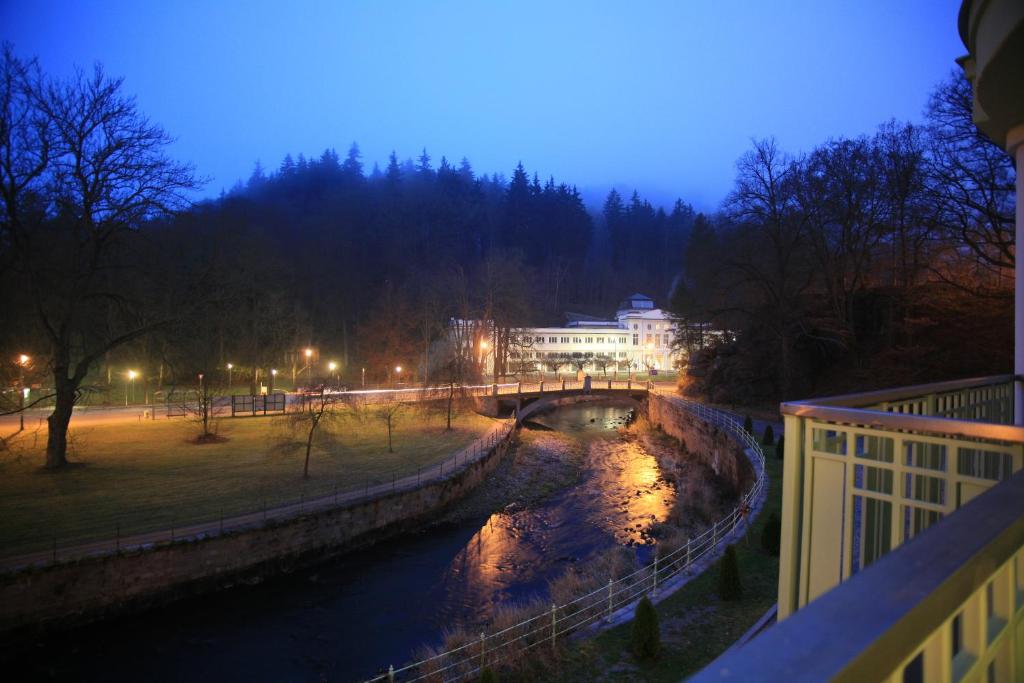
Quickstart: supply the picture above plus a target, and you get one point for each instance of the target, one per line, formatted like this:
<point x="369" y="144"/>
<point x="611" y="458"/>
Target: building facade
<point x="639" y="338"/>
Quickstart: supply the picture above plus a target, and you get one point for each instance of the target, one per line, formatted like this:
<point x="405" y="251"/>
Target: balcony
<point x="869" y="474"/>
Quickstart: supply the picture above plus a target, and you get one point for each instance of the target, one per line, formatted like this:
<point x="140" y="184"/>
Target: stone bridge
<point x="522" y="399"/>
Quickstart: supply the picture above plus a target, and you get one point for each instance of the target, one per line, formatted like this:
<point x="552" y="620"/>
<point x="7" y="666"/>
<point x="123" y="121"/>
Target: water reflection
<point x="619" y="495"/>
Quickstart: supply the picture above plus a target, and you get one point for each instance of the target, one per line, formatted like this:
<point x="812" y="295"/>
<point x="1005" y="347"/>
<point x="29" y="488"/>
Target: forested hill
<point x="340" y="241"/>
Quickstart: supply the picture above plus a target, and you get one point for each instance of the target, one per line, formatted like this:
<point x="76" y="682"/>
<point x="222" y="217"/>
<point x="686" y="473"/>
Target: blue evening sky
<point x="661" y="96"/>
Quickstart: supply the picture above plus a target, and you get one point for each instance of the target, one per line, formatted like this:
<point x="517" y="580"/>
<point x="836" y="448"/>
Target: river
<point x="351" y="616"/>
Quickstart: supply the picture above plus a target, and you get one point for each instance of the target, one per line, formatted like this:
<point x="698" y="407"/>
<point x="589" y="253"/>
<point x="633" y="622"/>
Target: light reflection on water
<point x="619" y="495"/>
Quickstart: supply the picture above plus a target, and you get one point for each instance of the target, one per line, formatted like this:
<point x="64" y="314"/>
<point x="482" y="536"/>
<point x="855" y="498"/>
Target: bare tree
<point x="387" y="410"/>
<point x="316" y="408"/>
<point x="89" y="171"/>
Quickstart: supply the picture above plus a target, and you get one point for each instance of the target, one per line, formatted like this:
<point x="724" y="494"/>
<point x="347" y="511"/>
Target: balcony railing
<point x="947" y="607"/>
<point x="865" y="474"/>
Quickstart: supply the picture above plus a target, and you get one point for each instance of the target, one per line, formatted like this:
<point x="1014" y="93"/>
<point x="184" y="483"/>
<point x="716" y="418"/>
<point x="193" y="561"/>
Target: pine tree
<point x="729" y="586"/>
<point x="646" y="632"/>
<point x="769" y="436"/>
<point x="771" y="534"/>
<point x="748" y="425"/>
<point x="780" y="447"/>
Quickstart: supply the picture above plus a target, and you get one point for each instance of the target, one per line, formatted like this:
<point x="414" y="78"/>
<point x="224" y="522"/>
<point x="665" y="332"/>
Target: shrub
<point x="488" y="675"/>
<point x="769" y="436"/>
<point x="729" y="586"/>
<point x="780" y="448"/>
<point x="748" y="425"/>
<point x="771" y="535"/>
<point x="646" y="635"/>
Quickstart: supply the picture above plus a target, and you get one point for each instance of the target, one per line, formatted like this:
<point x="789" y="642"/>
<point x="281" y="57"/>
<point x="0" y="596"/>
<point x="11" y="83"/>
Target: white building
<point x="639" y="339"/>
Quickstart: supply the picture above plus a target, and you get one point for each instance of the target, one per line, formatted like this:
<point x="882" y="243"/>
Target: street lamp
<point x="309" y="366"/>
<point x="231" y="367"/>
<point x="483" y="354"/>
<point x="22" y="394"/>
<point x="332" y="366"/>
<point x="398" y="373"/>
<point x="364" y="378"/>
<point x="131" y="383"/>
<point x="273" y="374"/>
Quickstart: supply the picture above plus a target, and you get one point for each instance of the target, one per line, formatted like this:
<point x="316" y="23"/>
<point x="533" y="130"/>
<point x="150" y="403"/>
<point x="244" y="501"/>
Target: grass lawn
<point x="147" y="476"/>
<point x="696" y="626"/>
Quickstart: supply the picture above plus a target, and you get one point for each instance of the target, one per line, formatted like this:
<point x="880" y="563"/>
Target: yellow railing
<point x="865" y="473"/>
<point x="947" y="607"/>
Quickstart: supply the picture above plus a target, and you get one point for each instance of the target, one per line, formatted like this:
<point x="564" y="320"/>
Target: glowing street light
<point x="398" y="373"/>
<point x="309" y="366"/>
<point x="230" y="366"/>
<point x="332" y="366"/>
<point x="131" y="384"/>
<point x="273" y="375"/>
<point x="22" y="392"/>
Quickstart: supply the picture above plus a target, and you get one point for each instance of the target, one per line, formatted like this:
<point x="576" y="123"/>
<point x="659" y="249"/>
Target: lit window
<point x="635" y="326"/>
<point x="565" y="340"/>
<point x="590" y="340"/>
<point x="552" y="340"/>
<point x="648" y="326"/>
<point x="600" y="340"/>
<point x="622" y="340"/>
<point x="636" y="340"/>
<point x="539" y="340"/>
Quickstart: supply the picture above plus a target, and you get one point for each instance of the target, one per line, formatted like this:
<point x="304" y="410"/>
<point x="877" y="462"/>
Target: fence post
<point x="714" y="537"/>
<point x="391" y="674"/>
<point x="609" y="598"/>
<point x="554" y="621"/>
<point x="654" y="591"/>
<point x="687" y="553"/>
<point x="483" y="647"/>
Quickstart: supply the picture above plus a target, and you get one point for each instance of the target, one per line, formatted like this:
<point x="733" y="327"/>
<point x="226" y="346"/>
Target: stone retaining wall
<point x="703" y="441"/>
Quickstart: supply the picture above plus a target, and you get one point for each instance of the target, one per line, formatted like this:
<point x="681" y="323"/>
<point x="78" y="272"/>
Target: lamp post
<point x="230" y="368"/>
<point x="273" y="374"/>
<point x="332" y="367"/>
<point x="309" y="367"/>
<point x="483" y="355"/>
<point x="131" y="384"/>
<point x="398" y="373"/>
<point x="22" y="362"/>
<point x="364" y="378"/>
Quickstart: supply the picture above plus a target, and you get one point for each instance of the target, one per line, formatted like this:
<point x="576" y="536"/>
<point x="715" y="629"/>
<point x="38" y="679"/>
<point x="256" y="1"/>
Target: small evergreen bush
<point x="748" y="425"/>
<point x="646" y="633"/>
<point x="729" y="586"/>
<point x="771" y="535"/>
<point x="780" y="448"/>
<point x="769" y="436"/>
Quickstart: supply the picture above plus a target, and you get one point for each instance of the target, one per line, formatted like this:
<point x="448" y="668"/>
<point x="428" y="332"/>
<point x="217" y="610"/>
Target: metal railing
<point x="543" y="629"/>
<point x="947" y="607"/>
<point x="866" y="473"/>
